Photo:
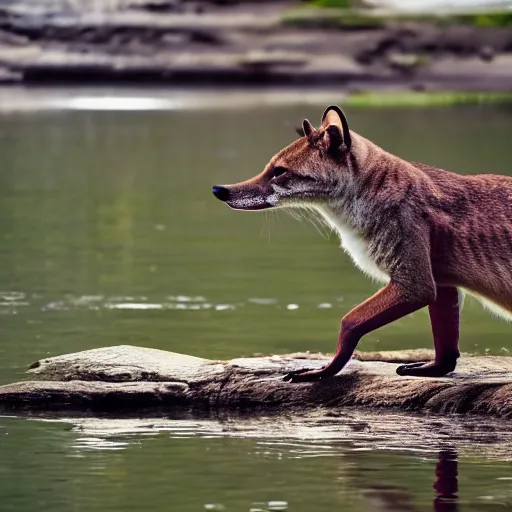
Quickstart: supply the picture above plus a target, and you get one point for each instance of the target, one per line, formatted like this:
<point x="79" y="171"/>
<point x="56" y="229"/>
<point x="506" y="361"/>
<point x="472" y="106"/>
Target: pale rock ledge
<point x="132" y="378"/>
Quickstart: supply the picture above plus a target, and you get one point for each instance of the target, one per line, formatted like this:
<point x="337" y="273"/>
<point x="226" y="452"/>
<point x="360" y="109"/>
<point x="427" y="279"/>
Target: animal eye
<point x="278" y="171"/>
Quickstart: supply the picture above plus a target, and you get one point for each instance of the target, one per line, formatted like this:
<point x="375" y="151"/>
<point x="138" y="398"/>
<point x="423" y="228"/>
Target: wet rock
<point x="126" y="377"/>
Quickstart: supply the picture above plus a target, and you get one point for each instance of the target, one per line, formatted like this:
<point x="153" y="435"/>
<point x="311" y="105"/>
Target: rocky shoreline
<point x="171" y="42"/>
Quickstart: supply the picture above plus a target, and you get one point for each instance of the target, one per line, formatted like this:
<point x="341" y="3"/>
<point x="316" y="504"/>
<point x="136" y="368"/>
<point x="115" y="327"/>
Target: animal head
<point x="307" y="172"/>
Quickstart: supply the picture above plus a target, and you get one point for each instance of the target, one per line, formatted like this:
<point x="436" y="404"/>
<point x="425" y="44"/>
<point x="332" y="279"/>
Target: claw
<point x="289" y="376"/>
<point x="403" y="369"/>
<point x="305" y="375"/>
<point x="425" y="369"/>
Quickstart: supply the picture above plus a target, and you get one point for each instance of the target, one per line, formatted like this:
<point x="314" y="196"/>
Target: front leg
<point x="389" y="304"/>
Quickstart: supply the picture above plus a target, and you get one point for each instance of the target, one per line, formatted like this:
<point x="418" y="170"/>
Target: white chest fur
<point x="355" y="245"/>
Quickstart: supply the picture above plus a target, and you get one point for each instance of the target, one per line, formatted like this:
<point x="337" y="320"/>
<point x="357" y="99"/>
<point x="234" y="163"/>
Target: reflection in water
<point x="133" y="99"/>
<point x="316" y="434"/>
<point x="389" y="498"/>
<point x="446" y="484"/>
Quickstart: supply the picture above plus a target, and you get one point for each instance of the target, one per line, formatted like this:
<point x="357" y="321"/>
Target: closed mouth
<point x="243" y="199"/>
<point x="248" y="206"/>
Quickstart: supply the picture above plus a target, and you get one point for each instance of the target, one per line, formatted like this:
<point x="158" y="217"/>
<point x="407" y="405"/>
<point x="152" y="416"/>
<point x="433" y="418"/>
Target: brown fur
<point x="429" y="230"/>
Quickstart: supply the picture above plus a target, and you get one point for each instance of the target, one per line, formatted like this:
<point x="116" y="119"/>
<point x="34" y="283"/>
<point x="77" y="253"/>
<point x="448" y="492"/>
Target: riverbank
<point x="20" y="98"/>
<point x="264" y="43"/>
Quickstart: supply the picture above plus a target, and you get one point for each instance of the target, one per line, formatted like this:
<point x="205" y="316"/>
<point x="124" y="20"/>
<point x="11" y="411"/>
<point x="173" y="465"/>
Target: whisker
<point x="268" y="224"/>
<point x="309" y="213"/>
<point x="318" y="222"/>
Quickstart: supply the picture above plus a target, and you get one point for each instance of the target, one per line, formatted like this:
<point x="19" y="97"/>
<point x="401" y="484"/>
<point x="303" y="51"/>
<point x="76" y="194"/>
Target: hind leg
<point x="444" y="318"/>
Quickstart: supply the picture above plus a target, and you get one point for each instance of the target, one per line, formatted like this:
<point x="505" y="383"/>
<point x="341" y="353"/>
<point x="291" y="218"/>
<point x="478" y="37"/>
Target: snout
<point x="221" y="192"/>
<point x="244" y="196"/>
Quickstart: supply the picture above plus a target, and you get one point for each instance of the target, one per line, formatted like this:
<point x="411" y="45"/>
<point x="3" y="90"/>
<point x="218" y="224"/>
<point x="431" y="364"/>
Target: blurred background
<point x="117" y="117"/>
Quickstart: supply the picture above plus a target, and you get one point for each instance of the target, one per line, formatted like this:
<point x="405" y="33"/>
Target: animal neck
<point x="362" y="150"/>
<point x="348" y="211"/>
<point x="372" y="183"/>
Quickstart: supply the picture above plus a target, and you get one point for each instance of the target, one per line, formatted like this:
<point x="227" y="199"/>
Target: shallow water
<point x="110" y="235"/>
<point x="354" y="461"/>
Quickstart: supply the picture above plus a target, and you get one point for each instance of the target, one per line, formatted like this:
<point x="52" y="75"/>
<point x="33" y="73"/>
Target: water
<point x="353" y="462"/>
<point x="110" y="235"/>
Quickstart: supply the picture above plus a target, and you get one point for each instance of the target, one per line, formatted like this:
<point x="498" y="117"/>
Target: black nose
<point x="221" y="193"/>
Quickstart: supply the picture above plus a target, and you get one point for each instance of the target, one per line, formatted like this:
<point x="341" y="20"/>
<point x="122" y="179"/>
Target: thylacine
<point x="426" y="232"/>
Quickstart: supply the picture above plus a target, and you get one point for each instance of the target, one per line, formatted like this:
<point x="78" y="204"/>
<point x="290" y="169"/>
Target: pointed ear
<point x="307" y="127"/>
<point x="336" y="126"/>
<point x="333" y="138"/>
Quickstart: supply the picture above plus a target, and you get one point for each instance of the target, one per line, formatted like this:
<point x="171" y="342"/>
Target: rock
<point x="487" y="53"/>
<point x="470" y="73"/>
<point x="404" y="61"/>
<point x="418" y="87"/>
<point x="125" y="363"/>
<point x="269" y="59"/>
<point x="51" y="395"/>
<point x="125" y="377"/>
<point x="156" y="5"/>
<point x="8" y="76"/>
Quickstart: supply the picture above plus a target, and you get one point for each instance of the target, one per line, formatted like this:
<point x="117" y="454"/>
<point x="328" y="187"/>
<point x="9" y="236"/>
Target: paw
<point x="424" y="369"/>
<point x="405" y="369"/>
<point x="303" y="375"/>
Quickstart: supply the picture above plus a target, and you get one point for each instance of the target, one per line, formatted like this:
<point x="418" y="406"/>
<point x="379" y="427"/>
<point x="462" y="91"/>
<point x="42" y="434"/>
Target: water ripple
<point x="315" y="435"/>
<point x="10" y="301"/>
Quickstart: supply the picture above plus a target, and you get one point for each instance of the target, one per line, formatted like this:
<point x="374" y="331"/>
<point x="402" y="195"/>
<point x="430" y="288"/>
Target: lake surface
<point x="110" y="235"/>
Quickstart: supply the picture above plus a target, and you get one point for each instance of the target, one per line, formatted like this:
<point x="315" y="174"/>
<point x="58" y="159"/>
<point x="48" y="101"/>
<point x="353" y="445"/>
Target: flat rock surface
<point x="127" y="377"/>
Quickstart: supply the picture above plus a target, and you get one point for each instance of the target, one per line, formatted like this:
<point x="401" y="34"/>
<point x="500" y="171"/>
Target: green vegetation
<point x="347" y="13"/>
<point x="424" y="99"/>
<point x="497" y="19"/>
<point x="334" y="18"/>
<point x="331" y="3"/>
